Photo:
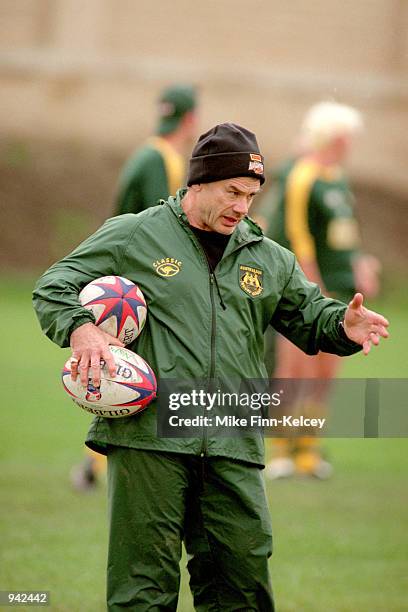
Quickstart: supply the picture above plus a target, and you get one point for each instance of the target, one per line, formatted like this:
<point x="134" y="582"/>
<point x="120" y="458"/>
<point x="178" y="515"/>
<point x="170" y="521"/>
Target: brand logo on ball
<point x="120" y="412"/>
<point x="251" y="280"/>
<point x="93" y="394"/>
<point x="168" y="266"/>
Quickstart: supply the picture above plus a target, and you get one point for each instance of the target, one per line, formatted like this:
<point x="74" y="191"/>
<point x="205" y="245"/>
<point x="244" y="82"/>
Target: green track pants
<point x="216" y="505"/>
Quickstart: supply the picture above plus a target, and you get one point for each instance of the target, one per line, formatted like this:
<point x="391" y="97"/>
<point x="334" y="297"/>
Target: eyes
<point x="235" y="195"/>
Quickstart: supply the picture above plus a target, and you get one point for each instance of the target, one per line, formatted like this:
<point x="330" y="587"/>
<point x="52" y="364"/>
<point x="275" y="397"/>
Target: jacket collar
<point x="247" y="230"/>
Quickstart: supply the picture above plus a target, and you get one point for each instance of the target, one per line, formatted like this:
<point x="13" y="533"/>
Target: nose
<point x="241" y="206"/>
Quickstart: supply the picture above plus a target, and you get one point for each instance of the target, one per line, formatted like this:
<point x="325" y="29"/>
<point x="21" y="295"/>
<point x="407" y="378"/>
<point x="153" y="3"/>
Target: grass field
<point x="340" y="546"/>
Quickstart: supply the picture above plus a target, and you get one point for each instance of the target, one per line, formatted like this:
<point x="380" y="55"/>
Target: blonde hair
<point x="326" y="120"/>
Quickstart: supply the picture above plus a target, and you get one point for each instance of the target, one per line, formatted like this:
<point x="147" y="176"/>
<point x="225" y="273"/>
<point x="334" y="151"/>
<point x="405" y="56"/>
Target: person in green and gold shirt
<point x="154" y="172"/>
<point x="157" y="170"/>
<point x="313" y="216"/>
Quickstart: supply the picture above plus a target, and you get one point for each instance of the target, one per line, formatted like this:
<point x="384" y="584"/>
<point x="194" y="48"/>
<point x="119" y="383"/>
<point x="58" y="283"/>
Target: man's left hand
<point x="364" y="326"/>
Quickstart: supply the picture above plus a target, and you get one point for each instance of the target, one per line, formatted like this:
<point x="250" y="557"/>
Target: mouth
<point x="230" y="221"/>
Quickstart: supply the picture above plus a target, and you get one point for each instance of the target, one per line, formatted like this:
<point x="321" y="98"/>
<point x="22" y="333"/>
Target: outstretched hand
<point x="364" y="326"/>
<point x="89" y="346"/>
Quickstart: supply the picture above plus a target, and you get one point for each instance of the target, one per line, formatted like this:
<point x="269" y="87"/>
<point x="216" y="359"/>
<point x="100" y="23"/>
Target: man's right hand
<point x="89" y="345"/>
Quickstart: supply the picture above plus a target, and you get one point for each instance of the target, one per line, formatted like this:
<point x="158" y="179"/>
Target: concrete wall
<point x="89" y="71"/>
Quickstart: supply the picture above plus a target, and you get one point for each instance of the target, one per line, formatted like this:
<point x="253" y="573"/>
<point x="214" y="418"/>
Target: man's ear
<point x="197" y="187"/>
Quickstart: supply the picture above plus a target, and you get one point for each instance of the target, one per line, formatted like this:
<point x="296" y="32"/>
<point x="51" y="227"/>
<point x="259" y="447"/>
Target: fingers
<point x="381" y="331"/>
<point x="110" y="362"/>
<point x="94" y="371"/>
<point x="380" y="320"/>
<point x="374" y="339"/>
<point x="74" y="368"/>
<point x="88" y="366"/>
<point x="90" y="347"/>
<point x="357" y="301"/>
<point x="83" y="369"/>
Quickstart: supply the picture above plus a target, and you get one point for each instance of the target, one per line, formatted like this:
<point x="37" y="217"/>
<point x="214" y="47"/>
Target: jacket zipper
<point x="213" y="281"/>
<point x="204" y="443"/>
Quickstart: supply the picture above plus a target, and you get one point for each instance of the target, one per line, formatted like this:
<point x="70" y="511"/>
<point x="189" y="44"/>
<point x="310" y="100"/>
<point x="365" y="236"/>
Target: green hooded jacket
<point x="199" y="325"/>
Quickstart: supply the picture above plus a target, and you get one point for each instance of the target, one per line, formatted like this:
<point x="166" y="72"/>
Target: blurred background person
<point x="310" y="210"/>
<point x="155" y="171"/>
<point x="158" y="169"/>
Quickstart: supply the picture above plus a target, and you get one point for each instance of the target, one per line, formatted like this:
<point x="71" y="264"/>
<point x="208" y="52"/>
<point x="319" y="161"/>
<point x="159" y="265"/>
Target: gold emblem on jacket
<point x="167" y="266"/>
<point x="251" y="280"/>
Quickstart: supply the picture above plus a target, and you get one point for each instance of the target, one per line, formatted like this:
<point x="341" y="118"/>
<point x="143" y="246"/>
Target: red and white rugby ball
<point x="118" y="305"/>
<point x="132" y="389"/>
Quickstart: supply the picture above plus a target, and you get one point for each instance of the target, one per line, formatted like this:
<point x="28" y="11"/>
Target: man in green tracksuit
<point x="213" y="284"/>
<point x="157" y="170"/>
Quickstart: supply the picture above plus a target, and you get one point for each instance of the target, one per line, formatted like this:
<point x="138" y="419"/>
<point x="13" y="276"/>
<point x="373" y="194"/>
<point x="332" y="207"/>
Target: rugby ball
<point x="118" y="305"/>
<point x="132" y="389"/>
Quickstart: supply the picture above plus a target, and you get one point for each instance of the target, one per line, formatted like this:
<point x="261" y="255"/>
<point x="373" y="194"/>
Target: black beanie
<point x="226" y="151"/>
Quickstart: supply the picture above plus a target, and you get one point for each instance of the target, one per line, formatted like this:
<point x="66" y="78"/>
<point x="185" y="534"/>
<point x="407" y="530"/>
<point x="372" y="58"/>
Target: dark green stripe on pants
<point x="217" y="505"/>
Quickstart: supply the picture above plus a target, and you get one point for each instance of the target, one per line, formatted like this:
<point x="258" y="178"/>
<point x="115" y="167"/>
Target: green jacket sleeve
<point x="55" y="295"/>
<point x="310" y="320"/>
<point x="142" y="183"/>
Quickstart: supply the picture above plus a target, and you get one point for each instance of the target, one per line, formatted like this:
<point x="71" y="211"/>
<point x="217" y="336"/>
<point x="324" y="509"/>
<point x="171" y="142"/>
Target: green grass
<point x="340" y="546"/>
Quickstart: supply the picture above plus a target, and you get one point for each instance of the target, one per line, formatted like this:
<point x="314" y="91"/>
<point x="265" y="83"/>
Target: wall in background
<point x="89" y="72"/>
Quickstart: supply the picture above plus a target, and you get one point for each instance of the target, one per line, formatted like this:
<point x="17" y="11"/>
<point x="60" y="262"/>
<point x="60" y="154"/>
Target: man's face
<point x="220" y="206"/>
<point x="341" y="148"/>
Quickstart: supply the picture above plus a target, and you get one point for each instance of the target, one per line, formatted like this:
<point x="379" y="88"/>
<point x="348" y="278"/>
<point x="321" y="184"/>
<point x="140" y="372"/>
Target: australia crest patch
<point x="251" y="280"/>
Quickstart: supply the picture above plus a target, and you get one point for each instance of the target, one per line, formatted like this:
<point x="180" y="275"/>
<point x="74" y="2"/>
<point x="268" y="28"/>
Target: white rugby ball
<point x="132" y="389"/>
<point x="118" y="305"/>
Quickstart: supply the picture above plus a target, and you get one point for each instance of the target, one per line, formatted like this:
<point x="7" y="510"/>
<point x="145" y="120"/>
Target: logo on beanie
<point x="255" y="163"/>
<point x="251" y="280"/>
<point x="168" y="266"/>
